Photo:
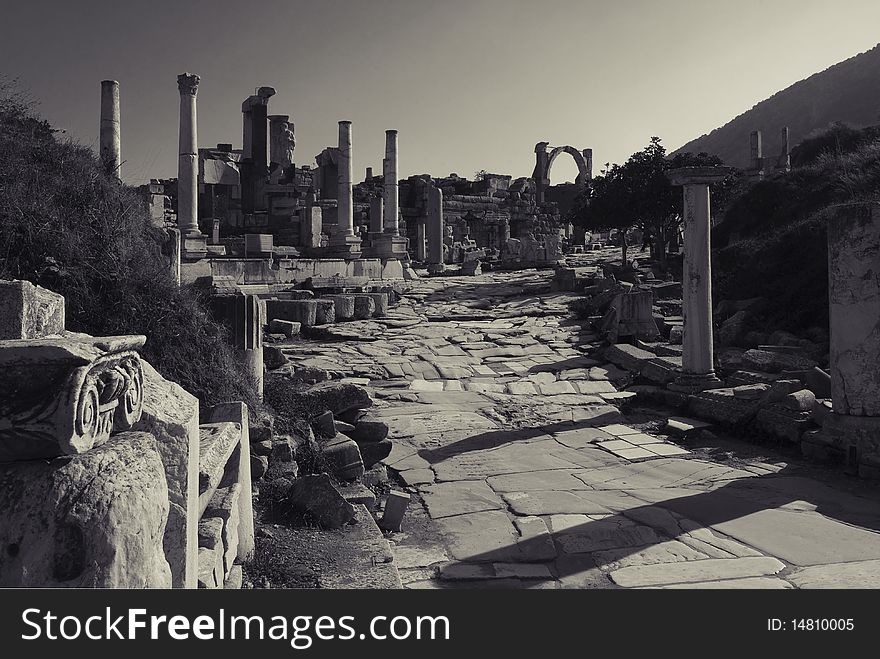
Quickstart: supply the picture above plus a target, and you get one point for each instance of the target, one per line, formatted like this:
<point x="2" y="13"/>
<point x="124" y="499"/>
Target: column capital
<point x="188" y="83"/>
<point x="391" y="131"/>
<point x="698" y="175"/>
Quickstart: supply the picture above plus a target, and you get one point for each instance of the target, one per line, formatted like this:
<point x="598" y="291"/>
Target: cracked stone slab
<point x="670" y="551"/>
<point x="711" y="569"/>
<point x="551" y="502"/>
<point x="535" y="543"/>
<point x="459" y="497"/>
<point x="861" y="574"/>
<point x="599" y="534"/>
<point x="411" y="556"/>
<point x="487" y="536"/>
<point x="555" y="479"/>
<point x="749" y="583"/>
<point x="581" y="437"/>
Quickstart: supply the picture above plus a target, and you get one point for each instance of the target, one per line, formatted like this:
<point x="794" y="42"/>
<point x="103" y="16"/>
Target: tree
<point x="639" y="194"/>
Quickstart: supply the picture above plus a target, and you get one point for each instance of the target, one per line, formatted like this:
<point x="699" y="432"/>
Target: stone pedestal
<point x="853" y="430"/>
<point x="111" y="150"/>
<point x="698" y="371"/>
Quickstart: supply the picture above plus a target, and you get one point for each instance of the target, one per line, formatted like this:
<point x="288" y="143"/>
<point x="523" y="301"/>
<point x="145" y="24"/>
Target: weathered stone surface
<point x="315" y="495"/>
<point x="343" y="305"/>
<point x="448" y="499"/>
<point x="224" y="505"/>
<point x="486" y="536"/>
<point x="712" y="569"/>
<point x="395" y="508"/>
<point x="217" y="441"/>
<point x="338" y="398"/>
<point x="535" y="543"/>
<point x="799" y="401"/>
<point x="299" y="311"/>
<point x="629" y="357"/>
<point x="288" y="328"/>
<point x="862" y="574"/>
<point x="369" y="430"/>
<point x="325" y="312"/>
<point x="589" y="535"/>
<point x="364" y="307"/>
<point x="28" y="311"/>
<point x="171" y="415"/>
<point x="65" y="523"/>
<point x="65" y="395"/>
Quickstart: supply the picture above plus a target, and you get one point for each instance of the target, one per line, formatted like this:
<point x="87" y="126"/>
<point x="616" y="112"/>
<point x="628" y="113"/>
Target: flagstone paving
<point x="507" y="430"/>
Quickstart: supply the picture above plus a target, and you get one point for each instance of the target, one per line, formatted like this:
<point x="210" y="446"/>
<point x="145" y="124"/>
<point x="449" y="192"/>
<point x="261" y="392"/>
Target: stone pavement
<point x="530" y="476"/>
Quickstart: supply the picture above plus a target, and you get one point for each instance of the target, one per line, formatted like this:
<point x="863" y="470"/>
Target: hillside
<point x="846" y="92"/>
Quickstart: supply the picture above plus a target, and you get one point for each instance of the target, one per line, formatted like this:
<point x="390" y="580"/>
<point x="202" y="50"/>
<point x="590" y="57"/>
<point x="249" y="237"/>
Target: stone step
<point x="217" y="442"/>
<point x="363" y="557"/>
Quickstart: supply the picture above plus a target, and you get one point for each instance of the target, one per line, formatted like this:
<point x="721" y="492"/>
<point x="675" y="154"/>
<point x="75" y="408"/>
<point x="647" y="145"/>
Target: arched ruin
<point x="544" y="158"/>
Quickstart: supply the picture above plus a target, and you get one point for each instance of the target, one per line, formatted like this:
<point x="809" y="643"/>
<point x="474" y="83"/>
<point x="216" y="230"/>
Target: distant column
<point x="111" y="150"/>
<point x="435" y="229"/>
<point x="376" y="208"/>
<point x="188" y="161"/>
<point x="756" y="148"/>
<point x="389" y="173"/>
<point x="344" y="242"/>
<point x="345" y="207"/>
<point x="421" y="242"/>
<point x="698" y="370"/>
<point x="784" y="156"/>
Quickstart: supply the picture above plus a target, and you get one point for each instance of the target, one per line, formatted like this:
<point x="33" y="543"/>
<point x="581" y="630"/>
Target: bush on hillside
<point x="68" y="226"/>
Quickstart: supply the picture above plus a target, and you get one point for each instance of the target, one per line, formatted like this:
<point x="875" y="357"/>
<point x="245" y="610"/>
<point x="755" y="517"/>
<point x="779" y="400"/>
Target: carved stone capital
<point x="188" y="83"/>
<point x="67" y="395"/>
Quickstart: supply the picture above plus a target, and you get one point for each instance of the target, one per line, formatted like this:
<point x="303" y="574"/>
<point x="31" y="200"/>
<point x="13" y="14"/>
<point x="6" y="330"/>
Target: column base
<point x="691" y="383"/>
<point x="346" y="246"/>
<point x="193" y="246"/>
<point x="389" y="246"/>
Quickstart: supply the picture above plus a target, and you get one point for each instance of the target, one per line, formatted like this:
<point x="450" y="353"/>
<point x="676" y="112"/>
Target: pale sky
<point x="469" y="84"/>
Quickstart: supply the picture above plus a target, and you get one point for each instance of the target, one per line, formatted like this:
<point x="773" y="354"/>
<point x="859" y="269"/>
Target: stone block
<point x="171" y="415"/>
<point x="316" y="496"/>
<point x="344" y="306"/>
<point x="288" y="328"/>
<point x="303" y="312"/>
<point x="217" y="441"/>
<point x="395" y="508"/>
<point x="28" y="311"/>
<point x="94" y="520"/>
<point x="380" y="301"/>
<point x="364" y="307"/>
<point x="224" y="504"/>
<point x="628" y="357"/>
<point x="237" y="413"/>
<point x="325" y="312"/>
<point x="65" y="395"/>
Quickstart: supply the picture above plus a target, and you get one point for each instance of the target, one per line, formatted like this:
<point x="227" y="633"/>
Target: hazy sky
<point x="470" y="84"/>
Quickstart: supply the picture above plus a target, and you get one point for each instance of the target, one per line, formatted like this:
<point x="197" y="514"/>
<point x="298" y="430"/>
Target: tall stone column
<point x="435" y="229"/>
<point x="376" y="215"/>
<point x="698" y="370"/>
<point x="188" y="160"/>
<point x="111" y="139"/>
<point x="344" y="242"/>
<point x="389" y="172"/>
<point x="390" y="244"/>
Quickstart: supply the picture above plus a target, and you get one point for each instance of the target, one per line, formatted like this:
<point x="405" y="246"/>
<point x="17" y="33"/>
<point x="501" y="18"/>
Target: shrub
<point x="67" y="225"/>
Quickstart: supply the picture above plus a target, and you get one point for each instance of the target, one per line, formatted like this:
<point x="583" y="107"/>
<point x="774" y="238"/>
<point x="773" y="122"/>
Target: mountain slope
<point x="848" y="92"/>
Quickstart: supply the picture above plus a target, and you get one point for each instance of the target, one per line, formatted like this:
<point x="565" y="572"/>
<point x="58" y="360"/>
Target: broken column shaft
<point x="698" y="370"/>
<point x="110" y="138"/>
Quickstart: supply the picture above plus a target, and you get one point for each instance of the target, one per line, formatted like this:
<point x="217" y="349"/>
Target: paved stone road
<point x="527" y="475"/>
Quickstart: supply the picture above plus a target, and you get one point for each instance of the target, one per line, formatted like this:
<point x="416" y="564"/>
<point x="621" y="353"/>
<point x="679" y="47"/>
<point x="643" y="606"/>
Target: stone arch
<point x="544" y="157"/>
